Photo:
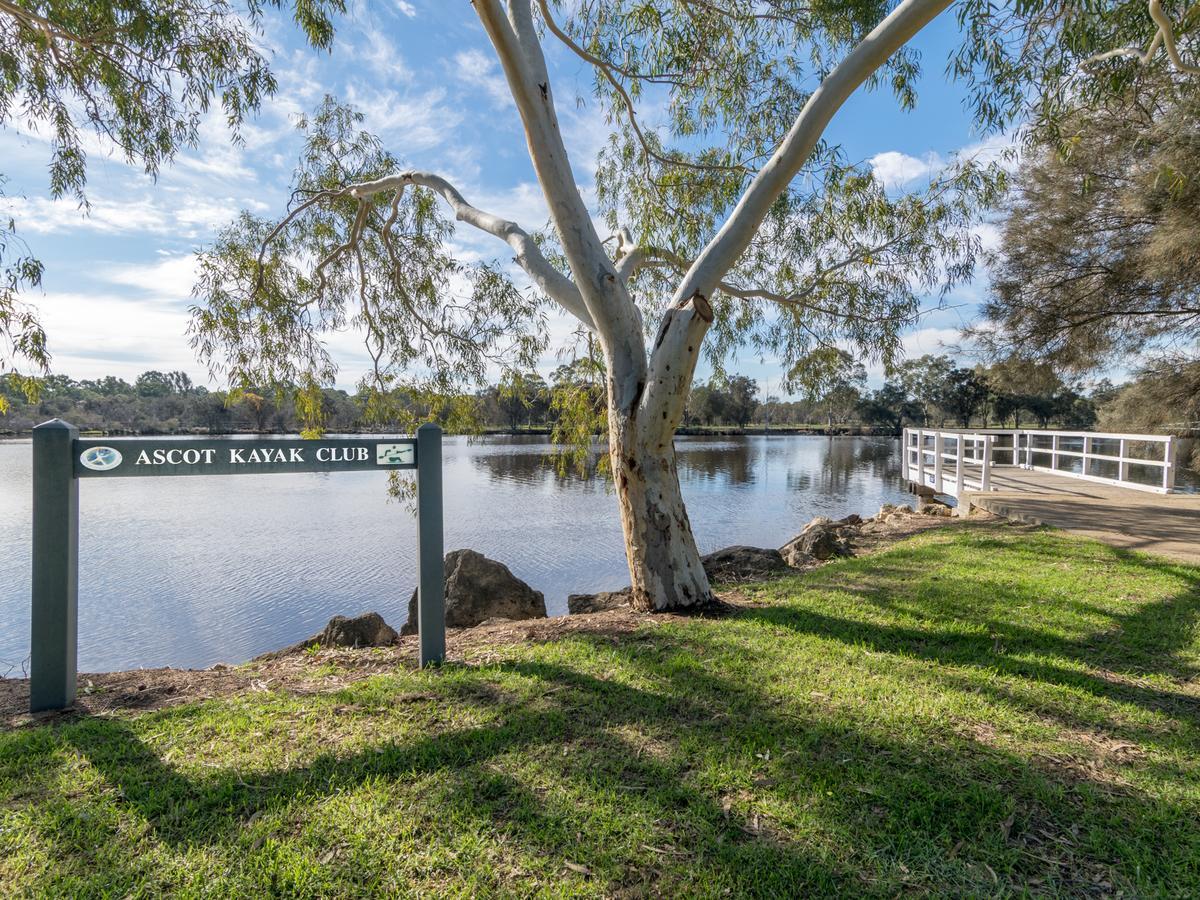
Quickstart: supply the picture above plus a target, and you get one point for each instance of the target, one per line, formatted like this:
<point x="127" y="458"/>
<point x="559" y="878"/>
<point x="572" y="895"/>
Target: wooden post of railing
<point x="1123" y="464"/>
<point x="1087" y="451"/>
<point x="985" y="474"/>
<point x="938" y="444"/>
<point x="1054" y="453"/>
<point x="904" y="454"/>
<point x="1168" y="482"/>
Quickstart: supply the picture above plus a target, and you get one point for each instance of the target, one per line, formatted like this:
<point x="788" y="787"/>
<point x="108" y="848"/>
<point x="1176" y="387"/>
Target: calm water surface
<point x="194" y="571"/>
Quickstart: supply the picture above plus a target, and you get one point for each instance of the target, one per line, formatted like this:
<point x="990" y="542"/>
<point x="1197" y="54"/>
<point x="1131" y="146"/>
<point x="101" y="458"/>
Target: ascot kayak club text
<point x="194" y="456"/>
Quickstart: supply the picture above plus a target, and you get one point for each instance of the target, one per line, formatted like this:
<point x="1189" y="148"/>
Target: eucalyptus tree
<point x="733" y="224"/>
<point x="135" y="77"/>
<point x="964" y="394"/>
<point x="890" y="405"/>
<point x="924" y="379"/>
<point x="830" y="377"/>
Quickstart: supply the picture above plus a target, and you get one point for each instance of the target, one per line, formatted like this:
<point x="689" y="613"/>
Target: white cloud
<point x="406" y="8"/>
<point x="897" y="169"/>
<point x="929" y="340"/>
<point x="172" y="277"/>
<point x="191" y="216"/>
<point x="39" y="215"/>
<point x="479" y="70"/>
<point x="932" y="340"/>
<point x="408" y="124"/>
<point x="999" y="148"/>
<point x="988" y="234"/>
<point x="94" y="334"/>
<point x="382" y="56"/>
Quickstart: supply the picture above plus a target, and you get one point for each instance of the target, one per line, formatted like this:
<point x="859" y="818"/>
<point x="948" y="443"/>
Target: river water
<point x="194" y="571"/>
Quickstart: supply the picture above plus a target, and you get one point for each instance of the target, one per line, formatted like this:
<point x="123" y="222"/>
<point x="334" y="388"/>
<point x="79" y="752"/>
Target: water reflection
<point x="729" y="462"/>
<point x="530" y="459"/>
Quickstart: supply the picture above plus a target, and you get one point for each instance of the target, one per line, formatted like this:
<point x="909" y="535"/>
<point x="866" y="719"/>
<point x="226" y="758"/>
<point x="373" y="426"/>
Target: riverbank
<point x="536" y="431"/>
<point x="977" y="709"/>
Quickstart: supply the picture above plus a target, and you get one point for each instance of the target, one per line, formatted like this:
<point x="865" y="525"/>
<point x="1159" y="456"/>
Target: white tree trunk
<point x="664" y="562"/>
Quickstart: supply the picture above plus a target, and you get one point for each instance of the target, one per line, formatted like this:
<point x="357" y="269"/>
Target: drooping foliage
<point x="383" y="264"/>
<point x="137" y="77"/>
<point x="1165" y="396"/>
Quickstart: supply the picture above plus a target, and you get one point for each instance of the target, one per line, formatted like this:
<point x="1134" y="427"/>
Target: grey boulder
<point x="822" y="538"/>
<point x="742" y="563"/>
<point x="367" y="630"/>
<point x="479" y="589"/>
<point x="590" y="603"/>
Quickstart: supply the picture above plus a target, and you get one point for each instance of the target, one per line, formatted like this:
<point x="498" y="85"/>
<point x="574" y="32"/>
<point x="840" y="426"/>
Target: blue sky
<point x="117" y="284"/>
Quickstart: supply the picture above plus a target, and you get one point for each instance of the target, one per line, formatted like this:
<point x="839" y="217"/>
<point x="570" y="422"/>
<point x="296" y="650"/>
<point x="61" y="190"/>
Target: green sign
<point x="61" y="458"/>
<point x="116" y="457"/>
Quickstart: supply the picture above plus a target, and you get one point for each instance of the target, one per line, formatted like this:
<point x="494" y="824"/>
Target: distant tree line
<point x="163" y="403"/>
<point x="831" y="392"/>
<point x="932" y="391"/>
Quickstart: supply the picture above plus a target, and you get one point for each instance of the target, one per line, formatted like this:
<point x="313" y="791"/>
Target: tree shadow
<point x="977" y="620"/>
<point x="727" y="793"/>
<point x="651" y="763"/>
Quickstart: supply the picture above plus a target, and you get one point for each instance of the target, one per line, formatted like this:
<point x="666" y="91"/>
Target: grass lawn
<point x="979" y="710"/>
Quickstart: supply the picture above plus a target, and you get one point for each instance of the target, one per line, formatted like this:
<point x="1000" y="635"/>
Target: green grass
<point x="978" y="711"/>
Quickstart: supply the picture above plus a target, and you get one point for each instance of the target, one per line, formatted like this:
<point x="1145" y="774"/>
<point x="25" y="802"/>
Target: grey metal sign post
<point x="54" y="632"/>
<point x="61" y="458"/>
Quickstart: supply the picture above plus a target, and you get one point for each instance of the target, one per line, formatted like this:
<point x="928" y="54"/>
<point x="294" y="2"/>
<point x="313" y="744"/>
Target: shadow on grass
<point x="669" y="774"/>
<point x="905" y="811"/>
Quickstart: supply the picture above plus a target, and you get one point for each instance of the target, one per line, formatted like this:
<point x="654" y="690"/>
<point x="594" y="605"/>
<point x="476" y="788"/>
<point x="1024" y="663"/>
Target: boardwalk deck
<point x="1166" y="524"/>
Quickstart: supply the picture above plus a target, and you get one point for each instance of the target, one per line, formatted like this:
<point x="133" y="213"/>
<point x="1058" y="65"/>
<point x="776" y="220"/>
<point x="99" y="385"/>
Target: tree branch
<point x="630" y="114"/>
<point x="528" y="255"/>
<point x="1164" y="37"/>
<point x="641" y="257"/>
<point x="1167" y="32"/>
<point x="616" y="319"/>
<point x="690" y="304"/>
<point x="723" y="251"/>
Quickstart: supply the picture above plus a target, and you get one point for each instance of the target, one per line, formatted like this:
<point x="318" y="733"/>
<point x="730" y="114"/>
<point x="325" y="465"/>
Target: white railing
<point x="954" y="461"/>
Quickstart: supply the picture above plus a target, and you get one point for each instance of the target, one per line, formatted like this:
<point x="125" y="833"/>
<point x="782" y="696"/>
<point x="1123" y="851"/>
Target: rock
<point x="821" y="539"/>
<point x="367" y="630"/>
<point x="795" y="556"/>
<point x="590" y="603"/>
<point x="478" y="589"/>
<point x="852" y="519"/>
<point x="923" y="490"/>
<point x="935" y="509"/>
<point x="742" y="563"/>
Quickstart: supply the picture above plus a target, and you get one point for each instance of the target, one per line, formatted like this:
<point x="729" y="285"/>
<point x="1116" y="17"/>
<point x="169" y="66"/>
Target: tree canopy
<point x="1100" y="249"/>
<point x="136" y="76"/>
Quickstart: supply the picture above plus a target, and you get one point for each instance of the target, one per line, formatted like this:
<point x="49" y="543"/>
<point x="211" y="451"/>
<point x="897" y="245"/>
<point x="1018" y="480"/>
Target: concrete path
<point x="1166" y="524"/>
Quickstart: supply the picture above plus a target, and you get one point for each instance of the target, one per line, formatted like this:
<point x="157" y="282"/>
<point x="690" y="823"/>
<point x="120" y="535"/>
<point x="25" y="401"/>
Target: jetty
<point x="1117" y="488"/>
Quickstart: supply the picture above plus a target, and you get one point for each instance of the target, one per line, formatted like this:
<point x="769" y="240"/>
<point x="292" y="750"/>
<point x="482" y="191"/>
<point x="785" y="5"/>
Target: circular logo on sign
<point x="100" y="459"/>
